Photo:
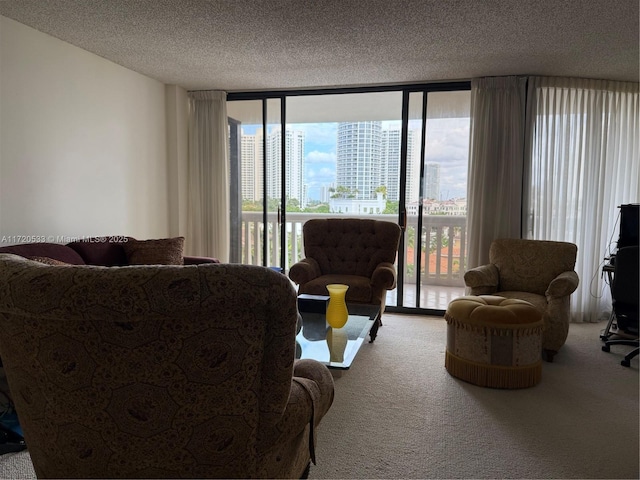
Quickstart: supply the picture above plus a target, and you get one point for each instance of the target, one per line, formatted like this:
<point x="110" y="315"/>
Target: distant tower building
<point x="325" y="193"/>
<point x="273" y="175"/>
<point x="251" y="166"/>
<point x="432" y="181"/>
<point x="294" y="185"/>
<point x="390" y="164"/>
<point x="294" y="150"/>
<point x="413" y="166"/>
<point x="358" y="166"/>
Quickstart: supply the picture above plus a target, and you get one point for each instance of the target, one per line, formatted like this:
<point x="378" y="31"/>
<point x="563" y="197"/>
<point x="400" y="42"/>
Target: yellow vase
<point x="337" y="312"/>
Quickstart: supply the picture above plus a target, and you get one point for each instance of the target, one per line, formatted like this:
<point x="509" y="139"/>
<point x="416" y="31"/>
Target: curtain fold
<point x="208" y="206"/>
<point x="583" y="161"/>
<point x="496" y="150"/>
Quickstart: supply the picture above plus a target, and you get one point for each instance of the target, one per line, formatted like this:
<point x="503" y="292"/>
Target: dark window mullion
<point x="283" y="181"/>
<point x="423" y="143"/>
<point x="402" y="204"/>
<point x="265" y="203"/>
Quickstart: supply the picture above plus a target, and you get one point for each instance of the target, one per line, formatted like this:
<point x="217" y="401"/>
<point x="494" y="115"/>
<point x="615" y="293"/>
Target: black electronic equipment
<point x="629" y="225"/>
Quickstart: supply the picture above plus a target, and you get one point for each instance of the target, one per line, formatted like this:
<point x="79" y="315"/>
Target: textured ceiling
<point x="239" y="45"/>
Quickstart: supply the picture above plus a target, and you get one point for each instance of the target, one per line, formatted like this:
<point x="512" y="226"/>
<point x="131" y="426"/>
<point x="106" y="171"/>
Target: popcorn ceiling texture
<point x="272" y="44"/>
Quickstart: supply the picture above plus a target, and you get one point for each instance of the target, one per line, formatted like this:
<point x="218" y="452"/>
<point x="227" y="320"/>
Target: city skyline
<point x="446" y="144"/>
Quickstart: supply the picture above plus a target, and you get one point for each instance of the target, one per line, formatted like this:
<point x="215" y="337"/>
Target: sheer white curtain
<point x="583" y="162"/>
<point x="496" y="147"/>
<point x="208" y="206"/>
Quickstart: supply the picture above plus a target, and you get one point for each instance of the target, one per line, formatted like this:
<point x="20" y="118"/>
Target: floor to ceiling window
<point x="396" y="154"/>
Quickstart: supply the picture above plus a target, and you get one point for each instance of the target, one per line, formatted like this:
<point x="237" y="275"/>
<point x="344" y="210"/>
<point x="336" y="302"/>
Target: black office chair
<point x="624" y="291"/>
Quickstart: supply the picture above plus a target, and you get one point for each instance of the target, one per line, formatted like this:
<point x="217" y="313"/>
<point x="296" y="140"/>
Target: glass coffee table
<point x="336" y="347"/>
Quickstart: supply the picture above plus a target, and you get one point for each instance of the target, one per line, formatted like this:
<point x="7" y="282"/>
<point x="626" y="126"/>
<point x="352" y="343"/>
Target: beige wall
<point x="83" y="143"/>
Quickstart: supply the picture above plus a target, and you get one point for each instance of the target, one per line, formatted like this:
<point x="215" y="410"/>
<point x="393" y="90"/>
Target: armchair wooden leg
<point x="373" y="333"/>
<point x="547" y="355"/>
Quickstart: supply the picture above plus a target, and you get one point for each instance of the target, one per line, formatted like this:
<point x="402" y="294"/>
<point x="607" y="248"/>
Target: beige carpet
<point x="399" y="414"/>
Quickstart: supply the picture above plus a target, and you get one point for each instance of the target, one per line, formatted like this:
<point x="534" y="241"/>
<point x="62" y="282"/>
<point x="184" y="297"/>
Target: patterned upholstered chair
<point x="357" y="252"/>
<point x="158" y="371"/>
<point x="537" y="271"/>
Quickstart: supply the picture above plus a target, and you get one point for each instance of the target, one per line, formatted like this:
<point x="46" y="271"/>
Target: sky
<point x="447" y="144"/>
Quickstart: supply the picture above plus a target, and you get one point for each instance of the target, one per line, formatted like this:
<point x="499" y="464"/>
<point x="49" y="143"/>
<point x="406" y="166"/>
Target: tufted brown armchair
<point x="538" y="271"/>
<point x="357" y="252"/>
<point x="158" y="371"/>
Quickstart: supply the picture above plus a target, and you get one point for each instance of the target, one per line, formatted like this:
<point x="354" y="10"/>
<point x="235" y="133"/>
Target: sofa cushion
<point x="350" y="246"/>
<point x="164" y="251"/>
<point x="531" y="265"/>
<point x="48" y="261"/>
<point x="196" y="260"/>
<point x="105" y="251"/>
<point x="359" y="287"/>
<point x="49" y="250"/>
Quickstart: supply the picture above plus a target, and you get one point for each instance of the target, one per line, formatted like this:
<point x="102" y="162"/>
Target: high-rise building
<point x="294" y="173"/>
<point x="325" y="192"/>
<point x="294" y="180"/>
<point x="432" y="181"/>
<point x="359" y="156"/>
<point x="251" y="166"/>
<point x="390" y="164"/>
<point x="413" y="166"/>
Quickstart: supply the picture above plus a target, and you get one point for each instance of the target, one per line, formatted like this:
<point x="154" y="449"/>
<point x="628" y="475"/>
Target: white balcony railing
<point x="443" y="244"/>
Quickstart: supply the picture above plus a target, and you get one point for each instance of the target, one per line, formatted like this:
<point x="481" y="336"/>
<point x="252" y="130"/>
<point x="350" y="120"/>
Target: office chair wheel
<point x="625" y="363"/>
<point x="606" y="348"/>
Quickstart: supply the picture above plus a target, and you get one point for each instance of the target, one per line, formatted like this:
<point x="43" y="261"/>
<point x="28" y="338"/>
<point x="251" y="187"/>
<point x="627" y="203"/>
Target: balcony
<point x="440" y="277"/>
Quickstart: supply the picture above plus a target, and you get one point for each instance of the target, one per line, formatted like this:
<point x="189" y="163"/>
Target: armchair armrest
<point x="322" y="388"/>
<point x="304" y="271"/>
<point x="482" y="280"/>
<point x="384" y="276"/>
<point x="564" y="284"/>
<point x="311" y="395"/>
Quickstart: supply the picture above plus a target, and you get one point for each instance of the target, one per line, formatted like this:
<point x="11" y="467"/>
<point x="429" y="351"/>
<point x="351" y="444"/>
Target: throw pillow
<point x="48" y="261"/>
<point x="163" y="251"/>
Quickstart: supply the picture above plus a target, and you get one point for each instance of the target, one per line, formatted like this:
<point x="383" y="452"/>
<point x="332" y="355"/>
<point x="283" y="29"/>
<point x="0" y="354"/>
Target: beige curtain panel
<point x="208" y="204"/>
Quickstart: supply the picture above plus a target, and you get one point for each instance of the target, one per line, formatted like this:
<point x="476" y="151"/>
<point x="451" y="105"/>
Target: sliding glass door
<point x="435" y="198"/>
<point x="342" y="167"/>
<point x="256" y="188"/>
<point x="394" y="154"/>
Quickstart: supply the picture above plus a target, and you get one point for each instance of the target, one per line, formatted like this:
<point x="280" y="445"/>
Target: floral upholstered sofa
<point x="159" y="371"/>
<point x="109" y="251"/>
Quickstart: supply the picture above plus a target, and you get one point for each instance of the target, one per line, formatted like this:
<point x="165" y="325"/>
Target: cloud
<point x="318" y="135"/>
<point x="321" y="176"/>
<point x="321" y="157"/>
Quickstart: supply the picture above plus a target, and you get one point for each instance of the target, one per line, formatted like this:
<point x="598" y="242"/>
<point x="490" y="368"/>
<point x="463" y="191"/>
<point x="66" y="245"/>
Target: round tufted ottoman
<point x="494" y="342"/>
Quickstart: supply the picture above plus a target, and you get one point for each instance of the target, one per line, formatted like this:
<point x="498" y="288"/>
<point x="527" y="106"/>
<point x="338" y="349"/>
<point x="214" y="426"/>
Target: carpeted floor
<point x="399" y="414"/>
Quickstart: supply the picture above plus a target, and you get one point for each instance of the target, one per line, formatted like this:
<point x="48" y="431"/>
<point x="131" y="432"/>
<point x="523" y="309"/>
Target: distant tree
<point x="251" y="206"/>
<point x="322" y="208"/>
<point x="293" y="205"/>
<point x="343" y="192"/>
<point x="273" y="204"/>
<point x="392" y="207"/>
